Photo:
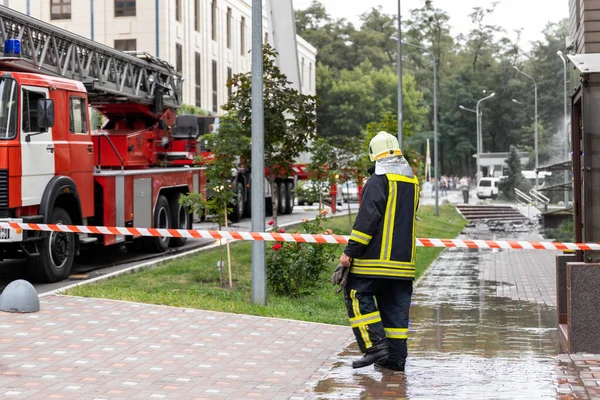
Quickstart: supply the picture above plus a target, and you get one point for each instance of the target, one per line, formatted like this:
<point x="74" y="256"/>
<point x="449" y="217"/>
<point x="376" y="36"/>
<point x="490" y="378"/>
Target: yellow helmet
<point x="384" y="145"/>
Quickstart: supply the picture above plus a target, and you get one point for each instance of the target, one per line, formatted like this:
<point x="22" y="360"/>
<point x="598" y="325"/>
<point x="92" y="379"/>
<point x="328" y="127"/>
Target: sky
<point x="529" y="15"/>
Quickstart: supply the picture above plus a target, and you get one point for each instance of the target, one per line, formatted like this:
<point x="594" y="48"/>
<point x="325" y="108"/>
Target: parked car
<point x="350" y="191"/>
<point x="307" y="194"/>
<point x="488" y="188"/>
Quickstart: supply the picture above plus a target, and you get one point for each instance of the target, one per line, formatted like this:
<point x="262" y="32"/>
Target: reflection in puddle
<point x="465" y="340"/>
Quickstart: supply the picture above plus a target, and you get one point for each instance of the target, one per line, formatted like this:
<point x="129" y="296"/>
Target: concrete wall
<point x="143" y="28"/>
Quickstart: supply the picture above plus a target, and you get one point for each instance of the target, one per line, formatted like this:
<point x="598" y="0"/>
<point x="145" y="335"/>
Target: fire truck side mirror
<point x="45" y="113"/>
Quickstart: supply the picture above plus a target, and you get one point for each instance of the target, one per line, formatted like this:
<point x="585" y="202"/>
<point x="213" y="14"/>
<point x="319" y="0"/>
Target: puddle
<point x="465" y="340"/>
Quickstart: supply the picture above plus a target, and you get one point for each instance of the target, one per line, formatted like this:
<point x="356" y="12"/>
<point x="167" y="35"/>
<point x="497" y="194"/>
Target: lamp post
<point x="566" y="124"/>
<point x="480" y="134"/>
<point x="477" y="129"/>
<point x="400" y="120"/>
<point x="535" y="135"/>
<point x="435" y="122"/>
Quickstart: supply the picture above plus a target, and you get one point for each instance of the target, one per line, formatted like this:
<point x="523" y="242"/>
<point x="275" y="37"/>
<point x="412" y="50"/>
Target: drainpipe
<point x="91" y="17"/>
<point x="157" y="44"/>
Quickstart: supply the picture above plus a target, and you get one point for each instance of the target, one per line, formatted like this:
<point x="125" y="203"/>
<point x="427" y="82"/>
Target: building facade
<point x="208" y="41"/>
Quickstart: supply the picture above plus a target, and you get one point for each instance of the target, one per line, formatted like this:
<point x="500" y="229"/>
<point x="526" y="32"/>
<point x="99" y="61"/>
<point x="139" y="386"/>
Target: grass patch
<point x="193" y="281"/>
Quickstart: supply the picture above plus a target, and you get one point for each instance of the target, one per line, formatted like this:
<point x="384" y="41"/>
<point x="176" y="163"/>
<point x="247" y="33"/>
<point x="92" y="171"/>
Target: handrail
<point x="539" y="197"/>
<point x="113" y="147"/>
<point x="523" y="196"/>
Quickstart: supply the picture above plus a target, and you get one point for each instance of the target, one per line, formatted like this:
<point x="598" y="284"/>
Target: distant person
<point x="464" y="187"/>
<point x="381" y="257"/>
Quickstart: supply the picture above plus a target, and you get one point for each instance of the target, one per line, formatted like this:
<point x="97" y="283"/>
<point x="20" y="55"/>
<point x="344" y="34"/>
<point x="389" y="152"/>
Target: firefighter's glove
<point x="340" y="277"/>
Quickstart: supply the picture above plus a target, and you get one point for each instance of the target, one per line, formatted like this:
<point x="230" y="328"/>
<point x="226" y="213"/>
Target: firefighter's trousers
<point x="388" y="318"/>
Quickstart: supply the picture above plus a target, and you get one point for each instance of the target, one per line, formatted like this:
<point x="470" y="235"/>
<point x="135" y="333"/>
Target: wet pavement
<point x="483" y="326"/>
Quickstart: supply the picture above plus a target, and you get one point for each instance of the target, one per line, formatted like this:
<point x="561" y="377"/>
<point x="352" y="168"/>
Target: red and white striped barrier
<point x="294" y="237"/>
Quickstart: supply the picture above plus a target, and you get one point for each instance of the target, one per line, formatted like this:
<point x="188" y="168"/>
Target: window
<point x="229" y="76"/>
<point x="8" y="108"/>
<point x="29" y="117"/>
<point x="60" y="9"/>
<point x="243" y="36"/>
<point x="229" y="18"/>
<point x="124" y="8"/>
<point x="215" y="97"/>
<point x="309" y="77"/>
<point x="197" y="15"/>
<point x="125" y="44"/>
<point x="198" y="76"/>
<point x="178" y="57"/>
<point x="302" y="72"/>
<point x="178" y="10"/>
<point x="213" y="19"/>
<point x="266" y="37"/>
<point x="77" y="115"/>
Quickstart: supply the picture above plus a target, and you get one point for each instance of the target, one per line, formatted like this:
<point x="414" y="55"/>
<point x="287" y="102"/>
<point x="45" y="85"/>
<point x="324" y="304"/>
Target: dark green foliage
<point x="295" y="269"/>
<point x="513" y="178"/>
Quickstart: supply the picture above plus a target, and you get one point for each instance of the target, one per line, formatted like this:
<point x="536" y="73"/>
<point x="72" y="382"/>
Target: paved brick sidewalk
<point x="79" y="348"/>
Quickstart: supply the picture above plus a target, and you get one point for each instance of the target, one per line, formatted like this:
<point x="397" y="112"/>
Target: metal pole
<point x="259" y="277"/>
<point x="480" y="136"/>
<point x="400" y="123"/>
<point x="435" y="136"/>
<point x="477" y="130"/>
<point x="535" y="135"/>
<point x="537" y="153"/>
<point x="92" y="19"/>
<point x="566" y="127"/>
<point x="435" y="123"/>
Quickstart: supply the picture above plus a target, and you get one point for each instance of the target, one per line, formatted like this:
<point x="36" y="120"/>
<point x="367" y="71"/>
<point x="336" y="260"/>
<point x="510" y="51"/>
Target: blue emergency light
<point x="12" y="48"/>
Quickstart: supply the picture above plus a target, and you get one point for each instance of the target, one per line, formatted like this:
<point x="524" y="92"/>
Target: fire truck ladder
<point x="109" y="75"/>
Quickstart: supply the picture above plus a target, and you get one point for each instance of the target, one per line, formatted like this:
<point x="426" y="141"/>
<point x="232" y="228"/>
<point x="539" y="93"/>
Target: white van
<point x="488" y="188"/>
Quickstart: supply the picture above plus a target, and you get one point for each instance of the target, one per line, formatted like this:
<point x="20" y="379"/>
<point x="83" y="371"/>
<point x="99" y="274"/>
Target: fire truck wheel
<point x="289" y="198"/>
<point x="162" y="220"/>
<point x="57" y="252"/>
<point x="281" y="209"/>
<point x="180" y="219"/>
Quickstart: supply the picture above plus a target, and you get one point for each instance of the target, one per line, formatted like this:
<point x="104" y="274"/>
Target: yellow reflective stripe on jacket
<point x="392" y="272"/>
<point x="402" y="178"/>
<point x="388" y="222"/>
<point x="360" y="237"/>
<point x="414" y="235"/>
<point x="366" y="319"/>
<point x="362" y="328"/>
<point x="396" y="333"/>
<point x="357" y="262"/>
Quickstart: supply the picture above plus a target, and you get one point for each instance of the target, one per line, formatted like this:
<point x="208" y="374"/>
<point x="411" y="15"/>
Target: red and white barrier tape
<point x="294" y="237"/>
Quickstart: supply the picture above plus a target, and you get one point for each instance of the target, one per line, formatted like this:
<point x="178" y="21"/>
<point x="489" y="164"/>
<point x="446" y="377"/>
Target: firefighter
<point x="380" y="256"/>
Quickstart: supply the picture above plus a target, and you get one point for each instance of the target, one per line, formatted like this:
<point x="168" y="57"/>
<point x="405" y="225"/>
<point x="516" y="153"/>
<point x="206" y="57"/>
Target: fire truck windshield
<point x="8" y="108"/>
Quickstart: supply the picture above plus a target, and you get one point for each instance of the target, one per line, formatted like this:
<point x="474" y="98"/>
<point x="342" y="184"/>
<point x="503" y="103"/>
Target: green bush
<point x="294" y="269"/>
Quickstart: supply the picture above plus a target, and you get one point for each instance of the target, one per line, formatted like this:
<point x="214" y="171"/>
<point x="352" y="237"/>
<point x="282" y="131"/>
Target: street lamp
<point x="477" y="124"/>
<point x="435" y="122"/>
<point x="535" y="127"/>
<point x="566" y="124"/>
<point x="480" y="133"/>
<point x="400" y="124"/>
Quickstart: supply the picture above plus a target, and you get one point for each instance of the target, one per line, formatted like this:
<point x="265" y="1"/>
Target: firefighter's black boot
<point x="392" y="365"/>
<point x="377" y="353"/>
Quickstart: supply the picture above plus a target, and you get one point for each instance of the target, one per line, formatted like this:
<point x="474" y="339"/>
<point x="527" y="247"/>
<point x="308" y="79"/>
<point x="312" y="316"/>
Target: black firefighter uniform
<point x="382" y="246"/>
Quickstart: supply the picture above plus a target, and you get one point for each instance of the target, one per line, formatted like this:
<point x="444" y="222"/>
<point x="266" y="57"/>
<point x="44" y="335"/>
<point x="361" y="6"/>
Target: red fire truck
<point x="54" y="169"/>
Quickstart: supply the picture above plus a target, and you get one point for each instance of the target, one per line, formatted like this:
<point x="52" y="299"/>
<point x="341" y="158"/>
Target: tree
<point x="322" y="168"/>
<point x="513" y="178"/>
<point x="226" y="147"/>
<point x="289" y="118"/>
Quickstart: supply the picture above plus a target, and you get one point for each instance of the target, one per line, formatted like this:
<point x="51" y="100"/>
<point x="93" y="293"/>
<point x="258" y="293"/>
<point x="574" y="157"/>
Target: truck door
<point x="37" y="148"/>
<point x="81" y="151"/>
